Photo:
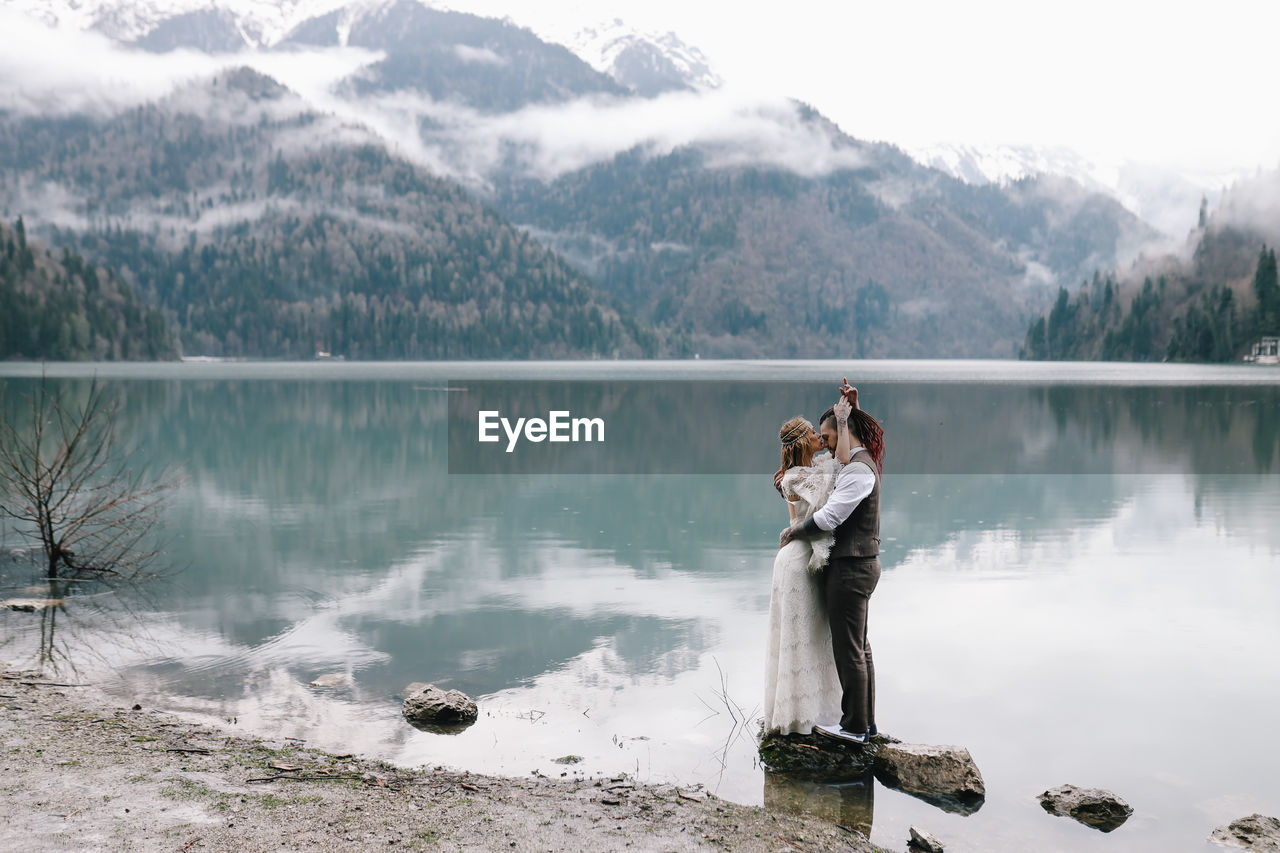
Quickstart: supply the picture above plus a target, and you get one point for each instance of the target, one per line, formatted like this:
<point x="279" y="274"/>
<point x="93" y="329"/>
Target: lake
<point x="1079" y="586"/>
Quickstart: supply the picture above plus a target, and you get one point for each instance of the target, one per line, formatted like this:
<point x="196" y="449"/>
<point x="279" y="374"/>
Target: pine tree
<point x="1267" y="288"/>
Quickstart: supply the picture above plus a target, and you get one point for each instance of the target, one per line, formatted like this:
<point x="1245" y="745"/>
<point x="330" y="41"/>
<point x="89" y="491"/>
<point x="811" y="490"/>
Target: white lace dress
<point x="801" y="686"/>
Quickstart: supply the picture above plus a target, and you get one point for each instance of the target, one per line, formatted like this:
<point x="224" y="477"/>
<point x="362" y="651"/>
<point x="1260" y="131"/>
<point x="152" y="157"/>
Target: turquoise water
<point x="1079" y="584"/>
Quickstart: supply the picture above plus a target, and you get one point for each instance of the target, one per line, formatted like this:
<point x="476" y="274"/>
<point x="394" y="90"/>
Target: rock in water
<point x="433" y="709"/>
<point x="331" y="681"/>
<point x="31" y="605"/>
<point x="944" y="776"/>
<point x="1091" y="806"/>
<point x="922" y="842"/>
<point x="1256" y="832"/>
<point x="816" y="757"/>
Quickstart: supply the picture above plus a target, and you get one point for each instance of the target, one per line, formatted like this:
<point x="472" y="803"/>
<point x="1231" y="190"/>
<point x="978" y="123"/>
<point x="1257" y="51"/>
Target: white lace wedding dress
<point x="801" y="686"/>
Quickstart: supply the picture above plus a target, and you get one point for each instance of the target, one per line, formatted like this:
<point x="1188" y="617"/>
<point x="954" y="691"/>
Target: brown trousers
<point x="849" y="584"/>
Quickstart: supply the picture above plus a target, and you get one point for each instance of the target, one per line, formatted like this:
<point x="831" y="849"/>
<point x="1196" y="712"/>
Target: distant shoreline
<point x="1007" y="371"/>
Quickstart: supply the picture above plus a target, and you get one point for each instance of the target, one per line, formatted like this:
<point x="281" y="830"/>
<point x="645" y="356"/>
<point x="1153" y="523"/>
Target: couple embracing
<point x="819" y="675"/>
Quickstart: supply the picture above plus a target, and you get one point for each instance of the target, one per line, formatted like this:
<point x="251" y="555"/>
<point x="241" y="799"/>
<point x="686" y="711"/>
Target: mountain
<point x="181" y="23"/>
<point x="486" y="64"/>
<point x="259" y="235"/>
<point x="646" y="63"/>
<point x="690" y="221"/>
<point x="59" y="306"/>
<point x="451" y="56"/>
<point x="885" y="259"/>
<point x="1167" y="199"/>
<point x="205" y="30"/>
<point x="1208" y="302"/>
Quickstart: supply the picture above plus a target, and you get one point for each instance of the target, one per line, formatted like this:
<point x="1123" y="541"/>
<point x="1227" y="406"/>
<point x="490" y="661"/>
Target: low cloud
<point x="62" y="71"/>
<point x="45" y="70"/>
<point x="478" y="55"/>
<point x="1253" y="203"/>
<point x="547" y="141"/>
<point x="50" y="204"/>
<point x="48" y="71"/>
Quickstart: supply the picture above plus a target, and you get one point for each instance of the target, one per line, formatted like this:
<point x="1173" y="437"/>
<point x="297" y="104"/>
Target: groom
<point x="853" y="514"/>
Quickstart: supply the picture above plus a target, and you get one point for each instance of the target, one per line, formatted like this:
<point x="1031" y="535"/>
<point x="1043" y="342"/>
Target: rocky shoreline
<point x="80" y="772"/>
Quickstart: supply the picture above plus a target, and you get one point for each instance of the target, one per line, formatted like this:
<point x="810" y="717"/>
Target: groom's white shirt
<point x="854" y="482"/>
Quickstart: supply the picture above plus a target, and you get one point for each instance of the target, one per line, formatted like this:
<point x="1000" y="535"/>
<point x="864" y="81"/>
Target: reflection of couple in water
<point x="819" y="675"/>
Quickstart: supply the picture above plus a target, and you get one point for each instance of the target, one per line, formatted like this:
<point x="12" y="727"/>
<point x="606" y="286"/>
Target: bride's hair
<point x="866" y="429"/>
<point x="795" y="447"/>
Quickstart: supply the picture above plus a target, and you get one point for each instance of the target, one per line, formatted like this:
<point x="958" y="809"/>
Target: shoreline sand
<point x="81" y="772"/>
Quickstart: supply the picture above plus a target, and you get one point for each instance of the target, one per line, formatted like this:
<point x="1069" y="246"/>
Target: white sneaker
<point x="834" y="731"/>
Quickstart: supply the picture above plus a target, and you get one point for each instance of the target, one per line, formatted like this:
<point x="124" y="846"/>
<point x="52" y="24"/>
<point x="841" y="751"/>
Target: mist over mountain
<point x="230" y="206"/>
<point x="1208" y="301"/>
<point x="384" y="151"/>
<point x="489" y="65"/>
<point x="880" y="259"/>
<point x="181" y="23"/>
<point x="1165" y="198"/>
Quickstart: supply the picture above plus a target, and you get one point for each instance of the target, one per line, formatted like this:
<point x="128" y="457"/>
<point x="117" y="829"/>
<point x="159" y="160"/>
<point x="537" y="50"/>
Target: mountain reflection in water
<point x="1061" y="561"/>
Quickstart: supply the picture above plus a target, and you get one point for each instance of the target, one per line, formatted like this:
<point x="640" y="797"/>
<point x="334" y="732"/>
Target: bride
<point x="802" y="687"/>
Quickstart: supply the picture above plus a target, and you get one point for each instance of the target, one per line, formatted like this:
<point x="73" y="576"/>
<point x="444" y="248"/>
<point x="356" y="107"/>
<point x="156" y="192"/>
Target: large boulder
<point x="1256" y="832"/>
<point x="1094" y="807"/>
<point x="429" y="708"/>
<point x="944" y="776"/>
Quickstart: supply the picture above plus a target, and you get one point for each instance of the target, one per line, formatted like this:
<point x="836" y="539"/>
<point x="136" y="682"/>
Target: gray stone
<point x="923" y="842"/>
<point x="944" y="776"/>
<point x="1256" y="832"/>
<point x="818" y="757"/>
<point x="430" y="708"/>
<point x="1094" y="807"/>
<point x="31" y="605"/>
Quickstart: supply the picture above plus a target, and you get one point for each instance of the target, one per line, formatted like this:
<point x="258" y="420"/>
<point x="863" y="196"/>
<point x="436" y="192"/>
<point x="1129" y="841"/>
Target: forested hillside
<point x="58" y="306"/>
<point x="258" y="242"/>
<point x="1208" y="309"/>
<point x="881" y="259"/>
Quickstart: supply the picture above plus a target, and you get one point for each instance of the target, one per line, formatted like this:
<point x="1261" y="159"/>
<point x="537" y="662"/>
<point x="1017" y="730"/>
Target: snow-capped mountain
<point x="1167" y="199"/>
<point x="260" y="23"/>
<point x="998" y="163"/>
<point x="648" y="63"/>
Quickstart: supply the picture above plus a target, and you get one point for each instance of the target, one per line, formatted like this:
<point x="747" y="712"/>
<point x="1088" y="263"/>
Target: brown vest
<point x="859" y="535"/>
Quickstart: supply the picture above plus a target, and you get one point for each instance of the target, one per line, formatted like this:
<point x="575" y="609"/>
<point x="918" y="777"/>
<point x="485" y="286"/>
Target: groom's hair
<point x="867" y="430"/>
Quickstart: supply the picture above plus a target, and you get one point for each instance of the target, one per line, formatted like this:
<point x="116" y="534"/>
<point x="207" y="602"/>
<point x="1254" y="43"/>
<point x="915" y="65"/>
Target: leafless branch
<point x="66" y="484"/>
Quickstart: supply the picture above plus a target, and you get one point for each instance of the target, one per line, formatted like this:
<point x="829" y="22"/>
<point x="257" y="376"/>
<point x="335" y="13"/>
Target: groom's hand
<point x="784" y="537"/>
<point x="850" y="393"/>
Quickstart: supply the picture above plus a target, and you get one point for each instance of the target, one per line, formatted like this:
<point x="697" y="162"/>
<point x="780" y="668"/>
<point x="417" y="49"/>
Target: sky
<point x="1169" y="83"/>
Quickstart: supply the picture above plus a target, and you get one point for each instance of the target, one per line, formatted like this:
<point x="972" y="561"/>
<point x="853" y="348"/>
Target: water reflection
<point x="1059" y="561"/>
<point x="849" y="803"/>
